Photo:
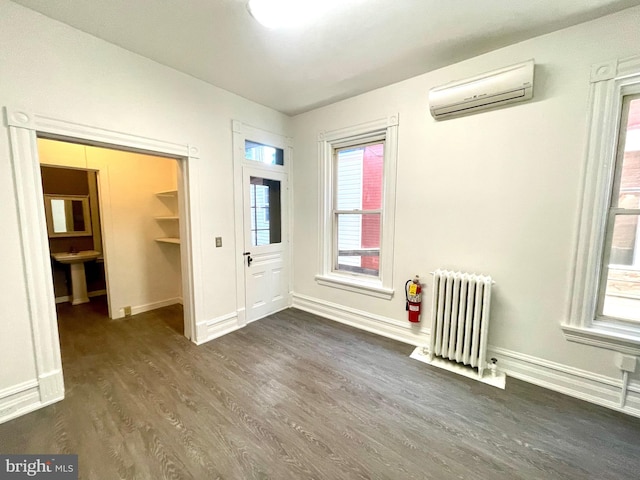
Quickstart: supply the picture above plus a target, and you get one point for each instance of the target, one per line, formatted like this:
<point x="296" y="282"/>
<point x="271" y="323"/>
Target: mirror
<point x="67" y="216"/>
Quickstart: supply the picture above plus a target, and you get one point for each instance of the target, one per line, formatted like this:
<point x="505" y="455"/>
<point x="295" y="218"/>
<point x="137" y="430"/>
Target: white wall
<point x="142" y="273"/>
<point x="497" y="192"/>
<point x="49" y="68"/>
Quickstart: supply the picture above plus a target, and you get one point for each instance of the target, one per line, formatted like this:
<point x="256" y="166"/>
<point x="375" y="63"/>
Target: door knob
<point x="249" y="259"/>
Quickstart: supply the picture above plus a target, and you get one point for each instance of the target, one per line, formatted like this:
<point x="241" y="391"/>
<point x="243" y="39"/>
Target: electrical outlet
<point x="127" y="311"/>
<point x="218" y="242"/>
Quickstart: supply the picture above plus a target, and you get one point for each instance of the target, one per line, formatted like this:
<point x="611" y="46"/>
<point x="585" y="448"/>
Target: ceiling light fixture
<point x="288" y="13"/>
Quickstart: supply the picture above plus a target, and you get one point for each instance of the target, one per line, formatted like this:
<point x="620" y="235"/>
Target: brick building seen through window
<point x="358" y="208"/>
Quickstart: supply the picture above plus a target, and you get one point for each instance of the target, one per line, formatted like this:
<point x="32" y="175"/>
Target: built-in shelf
<point x="169" y="194"/>
<point x="173" y="240"/>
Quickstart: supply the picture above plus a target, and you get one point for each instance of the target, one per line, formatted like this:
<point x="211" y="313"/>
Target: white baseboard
<point x="582" y="384"/>
<point x="413" y="334"/>
<point x="95" y="293"/>
<point x="18" y="400"/>
<point x="216" y="327"/>
<point x="219" y="326"/>
<point x="152" y="306"/>
<point x="148" y="307"/>
<point x="26" y="397"/>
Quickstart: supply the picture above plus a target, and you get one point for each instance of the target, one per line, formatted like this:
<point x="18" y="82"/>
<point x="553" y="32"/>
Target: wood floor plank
<point x="294" y="396"/>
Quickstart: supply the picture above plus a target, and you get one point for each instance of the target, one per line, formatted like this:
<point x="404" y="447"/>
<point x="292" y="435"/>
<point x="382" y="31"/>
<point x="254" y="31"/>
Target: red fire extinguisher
<point x="413" y="294"/>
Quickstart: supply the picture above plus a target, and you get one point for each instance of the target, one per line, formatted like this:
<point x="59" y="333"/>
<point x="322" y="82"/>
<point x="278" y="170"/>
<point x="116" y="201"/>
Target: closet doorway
<point x="126" y="244"/>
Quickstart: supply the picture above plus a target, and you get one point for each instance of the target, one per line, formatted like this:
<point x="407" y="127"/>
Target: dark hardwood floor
<point x="295" y="396"/>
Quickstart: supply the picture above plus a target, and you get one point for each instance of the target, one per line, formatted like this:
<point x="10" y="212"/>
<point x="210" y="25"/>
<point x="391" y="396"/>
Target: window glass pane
<point x="629" y="195"/>
<point x="622" y="296"/>
<point x="359" y="177"/>
<point x="358" y="243"/>
<point x="266" y="219"/>
<point x="263" y="153"/>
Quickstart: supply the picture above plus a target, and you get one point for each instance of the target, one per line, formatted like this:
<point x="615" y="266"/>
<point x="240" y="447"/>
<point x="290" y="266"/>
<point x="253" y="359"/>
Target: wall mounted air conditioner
<point x="489" y="90"/>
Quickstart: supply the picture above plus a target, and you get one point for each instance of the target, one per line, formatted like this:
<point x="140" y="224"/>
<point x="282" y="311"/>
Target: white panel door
<point x="265" y="242"/>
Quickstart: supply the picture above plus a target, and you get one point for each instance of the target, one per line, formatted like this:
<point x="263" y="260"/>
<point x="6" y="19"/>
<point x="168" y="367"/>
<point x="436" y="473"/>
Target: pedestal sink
<point x="78" y="277"/>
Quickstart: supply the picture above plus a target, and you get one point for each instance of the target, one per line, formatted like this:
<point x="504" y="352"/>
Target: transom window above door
<point x="259" y="152"/>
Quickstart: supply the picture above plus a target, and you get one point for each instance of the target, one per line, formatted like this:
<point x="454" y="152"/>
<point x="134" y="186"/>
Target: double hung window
<point x="605" y="302"/>
<point x="358" y="172"/>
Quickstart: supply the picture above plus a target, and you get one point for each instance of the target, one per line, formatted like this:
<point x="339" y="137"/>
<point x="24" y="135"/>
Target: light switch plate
<point x="218" y="242"/>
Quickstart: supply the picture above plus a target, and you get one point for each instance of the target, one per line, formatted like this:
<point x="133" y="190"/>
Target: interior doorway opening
<point x="25" y="127"/>
<point x="125" y="243"/>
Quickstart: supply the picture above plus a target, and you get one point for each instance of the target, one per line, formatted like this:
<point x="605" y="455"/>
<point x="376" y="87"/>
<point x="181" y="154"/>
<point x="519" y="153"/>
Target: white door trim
<point x="242" y="132"/>
<point x="24" y="126"/>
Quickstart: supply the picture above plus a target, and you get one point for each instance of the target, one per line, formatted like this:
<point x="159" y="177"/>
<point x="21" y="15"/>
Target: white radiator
<point x="460" y="318"/>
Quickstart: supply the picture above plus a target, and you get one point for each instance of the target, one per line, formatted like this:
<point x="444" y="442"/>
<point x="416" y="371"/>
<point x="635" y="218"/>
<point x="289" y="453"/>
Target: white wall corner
<point x="216" y="327"/>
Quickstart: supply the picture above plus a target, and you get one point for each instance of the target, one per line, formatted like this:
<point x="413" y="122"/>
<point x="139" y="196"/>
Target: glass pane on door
<point x="265" y="211"/>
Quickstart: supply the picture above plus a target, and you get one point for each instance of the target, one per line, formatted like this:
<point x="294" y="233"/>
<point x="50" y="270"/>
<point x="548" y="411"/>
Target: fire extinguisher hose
<point x="406" y="293"/>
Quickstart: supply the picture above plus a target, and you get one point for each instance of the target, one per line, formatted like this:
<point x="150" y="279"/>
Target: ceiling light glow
<point x="288" y="13"/>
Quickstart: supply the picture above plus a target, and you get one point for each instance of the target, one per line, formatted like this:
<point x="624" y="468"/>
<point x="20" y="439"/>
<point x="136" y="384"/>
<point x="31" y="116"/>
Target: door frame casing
<point x="242" y="132"/>
<point x="24" y="128"/>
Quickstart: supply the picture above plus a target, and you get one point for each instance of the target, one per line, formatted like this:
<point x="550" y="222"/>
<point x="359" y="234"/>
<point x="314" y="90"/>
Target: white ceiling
<point x="359" y="46"/>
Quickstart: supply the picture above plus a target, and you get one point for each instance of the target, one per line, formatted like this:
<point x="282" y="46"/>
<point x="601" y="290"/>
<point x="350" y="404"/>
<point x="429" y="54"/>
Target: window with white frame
<point x="358" y="166"/>
<point x="605" y="308"/>
<point x="619" y="291"/>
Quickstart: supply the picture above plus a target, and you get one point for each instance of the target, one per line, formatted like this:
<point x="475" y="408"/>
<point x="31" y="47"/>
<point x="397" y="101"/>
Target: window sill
<point x="355" y="285"/>
<point x="603" y="337"/>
